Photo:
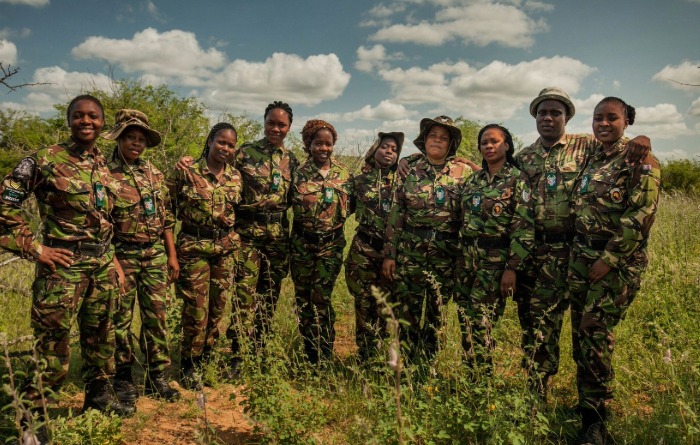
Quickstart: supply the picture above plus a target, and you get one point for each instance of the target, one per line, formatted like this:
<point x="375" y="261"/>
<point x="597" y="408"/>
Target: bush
<point x="681" y="175"/>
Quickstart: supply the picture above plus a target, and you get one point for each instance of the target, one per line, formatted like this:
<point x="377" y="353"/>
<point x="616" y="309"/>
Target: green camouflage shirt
<point x="74" y="191"/>
<point x="552" y="173"/>
<point x="266" y="173"/>
<point x="321" y="204"/>
<point x="426" y="198"/>
<point x="617" y="202"/>
<point x="373" y="195"/>
<point x="499" y="207"/>
<point x="201" y="200"/>
<point x="141" y="210"/>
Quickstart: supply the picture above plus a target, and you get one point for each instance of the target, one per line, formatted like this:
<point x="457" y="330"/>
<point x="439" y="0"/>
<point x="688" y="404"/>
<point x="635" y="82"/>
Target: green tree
<point x="681" y="175"/>
<point x="248" y="130"/>
<point x="470" y="130"/>
<point x="20" y="134"/>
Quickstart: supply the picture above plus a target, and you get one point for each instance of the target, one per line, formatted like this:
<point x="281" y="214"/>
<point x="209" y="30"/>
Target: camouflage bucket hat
<point x="446" y="122"/>
<point x="396" y="135"/>
<point x="127" y="118"/>
<point x="553" y="93"/>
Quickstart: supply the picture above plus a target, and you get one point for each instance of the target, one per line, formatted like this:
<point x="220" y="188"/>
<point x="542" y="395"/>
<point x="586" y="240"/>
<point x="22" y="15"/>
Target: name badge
<point x="584" y="184"/>
<point x="100" y="196"/>
<point x="275" y="184"/>
<point x="440" y="195"/>
<point x="148" y="205"/>
<point x="551" y="178"/>
<point x="328" y="195"/>
<point x="476" y="202"/>
<point x="386" y="205"/>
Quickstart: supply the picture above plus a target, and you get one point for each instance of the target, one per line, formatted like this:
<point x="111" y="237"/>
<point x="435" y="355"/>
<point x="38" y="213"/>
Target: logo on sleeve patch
<point x="616" y="195"/>
<point x="497" y="209"/>
<point x="25" y="169"/>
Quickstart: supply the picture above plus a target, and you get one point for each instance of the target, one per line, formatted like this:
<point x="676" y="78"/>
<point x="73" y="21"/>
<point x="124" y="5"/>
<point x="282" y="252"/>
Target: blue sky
<point x="372" y="66"/>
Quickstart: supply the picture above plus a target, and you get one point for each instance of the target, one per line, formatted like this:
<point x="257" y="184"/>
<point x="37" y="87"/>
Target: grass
<point x="657" y="364"/>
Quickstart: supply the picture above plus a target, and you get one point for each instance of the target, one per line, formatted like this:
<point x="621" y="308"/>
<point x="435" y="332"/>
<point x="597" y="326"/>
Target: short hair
<point x="77" y="99"/>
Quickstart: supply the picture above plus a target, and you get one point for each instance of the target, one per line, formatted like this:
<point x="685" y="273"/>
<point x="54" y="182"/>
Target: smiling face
<point x="131" y="144"/>
<point x="387" y="153"/>
<point x="551" y="121"/>
<point x="276" y="126"/>
<point x="493" y="146"/>
<point x="221" y="146"/>
<point x="86" y="121"/>
<point x="322" y="147"/>
<point x="437" y="144"/>
<point x="609" y="123"/>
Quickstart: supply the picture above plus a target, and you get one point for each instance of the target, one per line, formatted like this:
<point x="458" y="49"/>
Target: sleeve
<point x="352" y="204"/>
<point x="169" y="215"/>
<point x="15" y="232"/>
<point x="642" y="202"/>
<point x="522" y="226"/>
<point x="173" y="185"/>
<point x="395" y="221"/>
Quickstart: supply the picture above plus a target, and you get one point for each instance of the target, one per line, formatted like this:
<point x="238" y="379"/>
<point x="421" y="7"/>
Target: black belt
<point x="430" y="234"/>
<point x="375" y="243"/>
<point x="205" y="232"/>
<point x="261" y="216"/>
<point x="123" y="245"/>
<point x="552" y="238"/>
<point x="488" y="243"/>
<point x="592" y="243"/>
<point x="317" y="238"/>
<point x="79" y="247"/>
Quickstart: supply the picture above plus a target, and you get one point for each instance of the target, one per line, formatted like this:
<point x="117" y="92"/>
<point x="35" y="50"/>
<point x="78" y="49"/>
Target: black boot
<point x="100" y="395"/>
<point x="157" y="387"/>
<point x="593" y="429"/>
<point x="539" y="386"/>
<point x="190" y="378"/>
<point x="124" y="386"/>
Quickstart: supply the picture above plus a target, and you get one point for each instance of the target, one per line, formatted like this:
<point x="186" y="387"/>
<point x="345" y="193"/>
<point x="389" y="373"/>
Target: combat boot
<point x="593" y="429"/>
<point x="100" y="395"/>
<point x="124" y="386"/>
<point x="190" y="378"/>
<point x="157" y="387"/>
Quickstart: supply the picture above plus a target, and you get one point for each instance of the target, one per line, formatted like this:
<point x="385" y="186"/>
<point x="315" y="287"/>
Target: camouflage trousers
<point x="424" y="278"/>
<point x="262" y="264"/>
<point x="88" y="287"/>
<point x="314" y="270"/>
<point x="146" y="273"/>
<point x="204" y="285"/>
<point x="479" y="301"/>
<point x="542" y="297"/>
<point x="596" y="308"/>
<point x="363" y="267"/>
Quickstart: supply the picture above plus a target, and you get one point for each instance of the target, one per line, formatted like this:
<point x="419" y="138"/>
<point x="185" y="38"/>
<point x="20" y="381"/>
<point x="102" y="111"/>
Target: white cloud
<point x="662" y="121"/>
<point x="172" y="54"/>
<point x="34" y="3"/>
<point x="61" y="86"/>
<point x="478" y="23"/>
<point x="374" y="58"/>
<point x="533" y="5"/>
<point x="8" y="52"/>
<point x="386" y="110"/>
<point x="676" y="153"/>
<point x="695" y="106"/>
<point x="687" y="72"/>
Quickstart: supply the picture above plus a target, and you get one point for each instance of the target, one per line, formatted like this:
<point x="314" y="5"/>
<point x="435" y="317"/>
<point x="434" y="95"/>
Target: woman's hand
<point x="508" y="283"/>
<point x="598" y="271"/>
<point x="121" y="278"/>
<point x="389" y="268"/>
<point x="638" y="149"/>
<point x="173" y="269"/>
<point x="184" y="162"/>
<point x="52" y="256"/>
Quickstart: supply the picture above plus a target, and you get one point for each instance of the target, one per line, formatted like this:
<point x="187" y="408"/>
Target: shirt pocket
<point x="416" y="194"/>
<point x="308" y="194"/>
<point x="72" y="200"/>
<point x="126" y="214"/>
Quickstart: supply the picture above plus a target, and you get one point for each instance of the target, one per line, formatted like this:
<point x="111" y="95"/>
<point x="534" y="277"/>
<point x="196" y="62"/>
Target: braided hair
<point x="282" y="106"/>
<point x="212" y="134"/>
<point x="627" y="110"/>
<point x="508" y="140"/>
<point x="77" y="99"/>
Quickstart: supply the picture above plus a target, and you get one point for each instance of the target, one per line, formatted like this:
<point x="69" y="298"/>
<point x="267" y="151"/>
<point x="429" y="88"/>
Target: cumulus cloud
<point x="172" y="54"/>
<point x="371" y="59"/>
<point x="61" y="86"/>
<point x="8" y="52"/>
<point x="695" y="106"/>
<point x="687" y="73"/>
<point x="34" y="3"/>
<point x="477" y="23"/>
<point x="662" y="121"/>
<point x="385" y="111"/>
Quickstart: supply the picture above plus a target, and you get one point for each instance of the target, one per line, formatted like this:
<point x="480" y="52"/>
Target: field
<point x="279" y="399"/>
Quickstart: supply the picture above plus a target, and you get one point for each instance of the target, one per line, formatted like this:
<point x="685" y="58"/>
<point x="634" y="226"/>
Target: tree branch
<point x="8" y="71"/>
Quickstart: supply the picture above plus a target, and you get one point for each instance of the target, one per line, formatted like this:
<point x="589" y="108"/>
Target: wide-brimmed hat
<point x="396" y="135"/>
<point x="553" y="93"/>
<point x="132" y="118"/>
<point x="446" y="122"/>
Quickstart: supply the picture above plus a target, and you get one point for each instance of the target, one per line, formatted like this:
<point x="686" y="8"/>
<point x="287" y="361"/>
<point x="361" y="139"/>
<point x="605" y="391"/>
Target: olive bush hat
<point x="127" y="118"/>
<point x="446" y="122"/>
<point x="396" y="135"/>
<point x="553" y="93"/>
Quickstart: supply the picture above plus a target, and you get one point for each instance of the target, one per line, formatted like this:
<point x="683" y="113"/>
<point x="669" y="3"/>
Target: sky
<point x="368" y="66"/>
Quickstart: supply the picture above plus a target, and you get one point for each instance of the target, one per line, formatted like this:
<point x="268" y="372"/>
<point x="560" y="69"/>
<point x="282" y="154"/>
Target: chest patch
<point x="616" y="195"/>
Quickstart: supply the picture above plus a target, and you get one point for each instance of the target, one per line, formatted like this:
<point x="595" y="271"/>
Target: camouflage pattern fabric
<point x="428" y="200"/>
<point x="497" y="234"/>
<point x="615" y="207"/>
<point x="542" y="287"/>
<point x="141" y="214"/>
<point x="320" y="207"/>
<point x="266" y="172"/>
<point x="74" y="191"/>
<point x="207" y="261"/>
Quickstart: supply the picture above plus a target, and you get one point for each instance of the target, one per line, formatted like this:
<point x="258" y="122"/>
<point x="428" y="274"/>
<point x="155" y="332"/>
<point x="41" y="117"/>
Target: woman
<point x="615" y="204"/>
<point x="421" y="238"/>
<point x="74" y="191"/>
<point x="496" y="237"/>
<point x="145" y="250"/>
<point x="321" y="201"/>
<point x="204" y="197"/>
<point x="363" y="265"/>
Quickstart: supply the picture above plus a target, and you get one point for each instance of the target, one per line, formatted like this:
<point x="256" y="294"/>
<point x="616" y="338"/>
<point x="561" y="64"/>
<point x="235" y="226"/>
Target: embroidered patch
<point x="497" y="209"/>
<point x="584" y="184"/>
<point x="476" y="202"/>
<point x="526" y="196"/>
<point x="148" y="205"/>
<point x="328" y="195"/>
<point x="13" y="195"/>
<point x="386" y="205"/>
<point x="439" y="195"/>
<point x="25" y="169"/>
<point x="551" y="179"/>
<point x="276" y="178"/>
<point x="616" y="195"/>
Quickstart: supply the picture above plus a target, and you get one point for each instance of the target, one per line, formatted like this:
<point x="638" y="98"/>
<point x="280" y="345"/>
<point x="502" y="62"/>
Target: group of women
<point x="441" y="230"/>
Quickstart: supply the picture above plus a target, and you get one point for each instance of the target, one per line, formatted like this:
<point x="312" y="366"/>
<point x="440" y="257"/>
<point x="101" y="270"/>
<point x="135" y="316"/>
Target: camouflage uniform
<point x="141" y="214"/>
<point x="422" y="237"/>
<point x="320" y="207"/>
<point x="74" y="191"/>
<point x="615" y="206"/>
<point x="363" y="265"/>
<point x="497" y="234"/>
<point x="261" y="222"/>
<point x="206" y="248"/>
<point x="542" y="288"/>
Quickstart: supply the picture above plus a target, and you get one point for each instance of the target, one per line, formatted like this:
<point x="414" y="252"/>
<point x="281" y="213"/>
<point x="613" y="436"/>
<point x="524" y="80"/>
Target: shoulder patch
<point x="25" y="169"/>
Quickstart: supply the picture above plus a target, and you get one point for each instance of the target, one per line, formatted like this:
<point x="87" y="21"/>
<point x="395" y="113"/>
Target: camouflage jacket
<point x="266" y="173"/>
<point x="373" y="195"/>
<point x="141" y="210"/>
<point x="617" y="202"/>
<point x="426" y="199"/>
<point x="321" y="204"/>
<point x="199" y="199"/>
<point x="552" y="173"/>
<point x="74" y="191"/>
<point x="499" y="207"/>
